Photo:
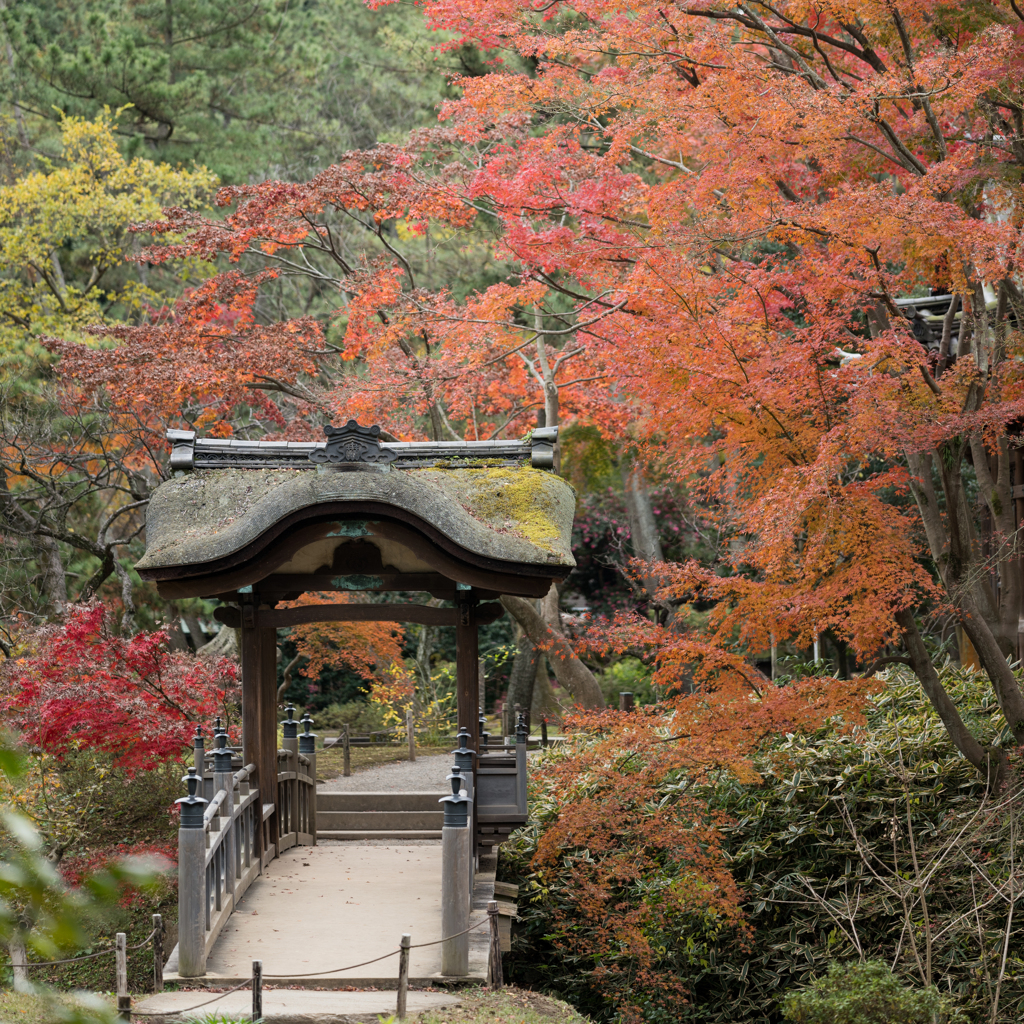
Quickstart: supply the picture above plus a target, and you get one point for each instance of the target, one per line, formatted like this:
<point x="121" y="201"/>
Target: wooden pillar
<point x="467" y="661"/>
<point x="268" y="723"/>
<point x="252" y="710"/>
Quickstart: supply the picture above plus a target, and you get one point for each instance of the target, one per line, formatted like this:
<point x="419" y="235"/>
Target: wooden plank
<point x="397" y="581"/>
<point x="287" y="841"/>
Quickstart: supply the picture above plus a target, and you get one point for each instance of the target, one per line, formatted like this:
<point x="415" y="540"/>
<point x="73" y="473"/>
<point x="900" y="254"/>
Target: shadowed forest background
<point x="759" y="263"/>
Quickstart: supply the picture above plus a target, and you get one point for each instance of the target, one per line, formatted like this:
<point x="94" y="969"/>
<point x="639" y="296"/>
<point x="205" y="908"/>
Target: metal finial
<point x="455" y="779"/>
<point x="193" y="804"/>
<point x="307" y="723"/>
<point x="290" y="712"/>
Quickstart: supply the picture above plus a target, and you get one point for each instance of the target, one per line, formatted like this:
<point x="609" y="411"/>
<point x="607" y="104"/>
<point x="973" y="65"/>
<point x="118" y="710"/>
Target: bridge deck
<point x="317" y="908"/>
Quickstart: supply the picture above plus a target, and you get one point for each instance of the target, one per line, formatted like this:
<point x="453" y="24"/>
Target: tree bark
<point x="643" y="529"/>
<point x="223" y="645"/>
<point x="53" y="579"/>
<point x="523" y="674"/>
<point x="986" y="760"/>
<point x="577" y="679"/>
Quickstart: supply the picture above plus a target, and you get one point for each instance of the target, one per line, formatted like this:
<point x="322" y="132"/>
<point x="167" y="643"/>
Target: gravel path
<point x="424" y="775"/>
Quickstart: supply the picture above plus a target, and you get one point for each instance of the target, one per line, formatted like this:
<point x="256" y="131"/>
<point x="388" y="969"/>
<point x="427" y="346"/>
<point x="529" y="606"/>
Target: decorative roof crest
<point x="352" y="443"/>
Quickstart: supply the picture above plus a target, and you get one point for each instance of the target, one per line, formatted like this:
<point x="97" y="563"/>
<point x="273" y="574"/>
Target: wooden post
<point x="625" y="700"/>
<point x="346" y="752"/>
<point x="192" y="882"/>
<point x="544" y="731"/>
<point x="307" y="746"/>
<point x="124" y="1001"/>
<point x="494" y="973"/>
<point x="158" y="953"/>
<point x="410" y="728"/>
<point x="252" y="737"/>
<point x="467" y="658"/>
<point x="403" y="976"/>
<point x="455" y="869"/>
<point x="257" y="991"/>
<point x="268" y="720"/>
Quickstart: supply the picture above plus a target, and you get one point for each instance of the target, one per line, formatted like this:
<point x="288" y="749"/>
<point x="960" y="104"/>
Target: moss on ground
<point x="51" y="1008"/>
<point x="507" y="1006"/>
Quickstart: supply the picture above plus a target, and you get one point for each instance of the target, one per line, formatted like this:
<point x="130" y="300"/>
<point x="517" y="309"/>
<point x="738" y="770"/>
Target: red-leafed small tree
<point x="78" y="686"/>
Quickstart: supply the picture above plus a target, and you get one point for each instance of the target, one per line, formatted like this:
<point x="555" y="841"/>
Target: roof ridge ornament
<point x="352" y="443"/>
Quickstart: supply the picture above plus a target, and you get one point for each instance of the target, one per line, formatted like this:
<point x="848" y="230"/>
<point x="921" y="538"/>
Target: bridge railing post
<point x="192" y="894"/>
<point x="307" y="746"/>
<point x="288" y="793"/>
<point x="521" y="738"/>
<point x="455" y="869"/>
<point x="224" y="781"/>
<point x="464" y="755"/>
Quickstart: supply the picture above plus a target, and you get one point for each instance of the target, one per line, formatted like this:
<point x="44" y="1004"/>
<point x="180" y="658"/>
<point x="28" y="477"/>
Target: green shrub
<point x="360" y="716"/>
<point x="864" y="993"/>
<point x="822" y="850"/>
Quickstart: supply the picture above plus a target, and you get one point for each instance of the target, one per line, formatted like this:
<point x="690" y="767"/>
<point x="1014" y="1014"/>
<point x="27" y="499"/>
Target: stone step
<point x="377" y="820"/>
<point x="327" y="801"/>
<point x="396" y="834"/>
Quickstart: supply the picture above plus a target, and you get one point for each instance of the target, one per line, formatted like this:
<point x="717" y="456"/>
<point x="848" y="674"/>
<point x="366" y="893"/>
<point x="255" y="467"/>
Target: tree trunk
<point x="643" y="529"/>
<point x="523" y="674"/>
<point x="223" y="645"/>
<point x="52" y="580"/>
<point x="577" y="679"/>
<point x="195" y="632"/>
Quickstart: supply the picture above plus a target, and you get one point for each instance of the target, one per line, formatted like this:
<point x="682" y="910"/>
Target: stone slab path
<point x="286" y="1006"/>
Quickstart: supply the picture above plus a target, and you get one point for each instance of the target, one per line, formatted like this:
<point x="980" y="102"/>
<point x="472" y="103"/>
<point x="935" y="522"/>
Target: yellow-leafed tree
<point x="65" y="237"/>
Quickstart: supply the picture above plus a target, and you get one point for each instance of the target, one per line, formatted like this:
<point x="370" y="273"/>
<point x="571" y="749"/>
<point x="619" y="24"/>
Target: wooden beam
<point x="430" y="582"/>
<point x="280" y="618"/>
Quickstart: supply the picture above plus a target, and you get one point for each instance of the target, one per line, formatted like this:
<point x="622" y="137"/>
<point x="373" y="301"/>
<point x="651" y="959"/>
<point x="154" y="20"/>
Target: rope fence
<point x="256" y="979"/>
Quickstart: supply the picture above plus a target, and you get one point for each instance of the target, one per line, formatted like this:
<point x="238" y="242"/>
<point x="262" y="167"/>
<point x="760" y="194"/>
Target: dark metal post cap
<point x="521" y="733"/>
<point x="291" y="727"/>
<point x="456" y="806"/>
<point x="307" y="741"/>
<point x="192" y="805"/>
<point x="221" y="754"/>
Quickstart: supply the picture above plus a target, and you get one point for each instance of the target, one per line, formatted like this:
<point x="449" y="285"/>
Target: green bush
<point x="864" y="993"/>
<point x="628" y="674"/>
<point x="822" y="849"/>
<point x="360" y="716"/>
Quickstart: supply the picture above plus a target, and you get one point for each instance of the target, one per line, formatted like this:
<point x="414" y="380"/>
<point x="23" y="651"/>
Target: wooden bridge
<point x="257" y="524"/>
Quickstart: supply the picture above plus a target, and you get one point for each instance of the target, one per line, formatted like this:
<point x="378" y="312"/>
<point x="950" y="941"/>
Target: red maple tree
<point x="78" y="686"/>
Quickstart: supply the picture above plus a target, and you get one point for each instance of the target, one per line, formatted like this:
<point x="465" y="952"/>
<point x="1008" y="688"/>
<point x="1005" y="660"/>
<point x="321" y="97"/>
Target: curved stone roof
<point x="517" y="516"/>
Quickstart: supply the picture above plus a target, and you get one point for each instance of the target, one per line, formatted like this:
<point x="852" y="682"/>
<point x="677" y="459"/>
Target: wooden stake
<point x="346" y="753"/>
<point x="494" y="972"/>
<point x="124" y="1001"/>
<point x="403" y="976"/>
<point x="158" y="953"/>
<point x="410" y="729"/>
<point x="257" y="991"/>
